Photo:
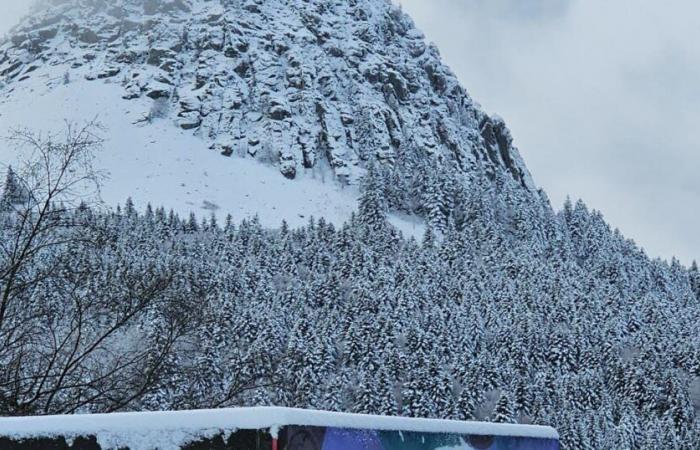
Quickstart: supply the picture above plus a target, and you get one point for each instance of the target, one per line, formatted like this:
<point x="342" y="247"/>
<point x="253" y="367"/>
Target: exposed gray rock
<point x="109" y="72"/>
<point x="158" y="92"/>
<point x="189" y="120"/>
<point x="88" y="36"/>
<point x="292" y="82"/>
<point x="156" y="56"/>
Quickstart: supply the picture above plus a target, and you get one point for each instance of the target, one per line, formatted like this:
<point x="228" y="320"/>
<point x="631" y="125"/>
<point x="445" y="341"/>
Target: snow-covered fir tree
<point x="505" y="310"/>
<point x="323" y="317"/>
<point x="372" y="205"/>
<point x="14" y="194"/>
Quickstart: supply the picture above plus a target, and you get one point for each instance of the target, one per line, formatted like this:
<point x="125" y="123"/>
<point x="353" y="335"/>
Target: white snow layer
<point x="163" y="165"/>
<point x="170" y="430"/>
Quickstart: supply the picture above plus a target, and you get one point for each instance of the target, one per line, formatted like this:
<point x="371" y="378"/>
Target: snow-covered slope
<point x="164" y="165"/>
<point x="314" y="89"/>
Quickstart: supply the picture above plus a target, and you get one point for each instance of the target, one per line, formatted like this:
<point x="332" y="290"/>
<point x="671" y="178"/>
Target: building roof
<point x="125" y="428"/>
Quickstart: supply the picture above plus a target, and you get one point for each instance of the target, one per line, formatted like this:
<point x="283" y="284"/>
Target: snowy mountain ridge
<point x="518" y="314"/>
<point x="294" y="83"/>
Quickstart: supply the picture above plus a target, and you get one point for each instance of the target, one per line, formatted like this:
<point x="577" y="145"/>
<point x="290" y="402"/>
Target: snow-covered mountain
<point x="315" y="89"/>
<point x="278" y="108"/>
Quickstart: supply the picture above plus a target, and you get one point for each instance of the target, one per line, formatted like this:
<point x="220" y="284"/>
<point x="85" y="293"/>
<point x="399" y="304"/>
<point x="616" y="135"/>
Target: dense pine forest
<point x="504" y="311"/>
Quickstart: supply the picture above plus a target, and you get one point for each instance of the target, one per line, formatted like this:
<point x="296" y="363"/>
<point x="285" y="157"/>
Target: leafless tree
<point x="80" y="347"/>
<point x="54" y="175"/>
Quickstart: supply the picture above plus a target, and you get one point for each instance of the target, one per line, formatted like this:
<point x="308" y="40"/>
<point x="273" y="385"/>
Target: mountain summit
<point x="304" y="85"/>
<point x="510" y="312"/>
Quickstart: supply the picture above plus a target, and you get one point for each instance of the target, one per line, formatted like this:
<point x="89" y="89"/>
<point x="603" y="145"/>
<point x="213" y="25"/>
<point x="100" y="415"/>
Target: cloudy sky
<point x="12" y="11"/>
<point x="602" y="97"/>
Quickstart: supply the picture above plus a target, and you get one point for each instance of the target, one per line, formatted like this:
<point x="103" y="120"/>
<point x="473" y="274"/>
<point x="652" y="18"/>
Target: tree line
<point x="506" y="311"/>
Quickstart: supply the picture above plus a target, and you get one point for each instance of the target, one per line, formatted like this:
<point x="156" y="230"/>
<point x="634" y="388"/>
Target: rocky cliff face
<point x="295" y="83"/>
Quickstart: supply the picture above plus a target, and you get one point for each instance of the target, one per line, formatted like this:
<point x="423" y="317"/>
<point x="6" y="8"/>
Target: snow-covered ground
<point x="164" y="165"/>
<point x="165" y="430"/>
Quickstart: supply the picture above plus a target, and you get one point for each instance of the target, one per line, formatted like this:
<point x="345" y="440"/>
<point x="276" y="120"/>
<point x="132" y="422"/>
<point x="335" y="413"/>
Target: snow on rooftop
<point x="145" y="430"/>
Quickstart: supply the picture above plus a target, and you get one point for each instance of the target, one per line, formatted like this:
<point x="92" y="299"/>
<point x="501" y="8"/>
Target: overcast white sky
<point x="11" y="11"/>
<point x="602" y="96"/>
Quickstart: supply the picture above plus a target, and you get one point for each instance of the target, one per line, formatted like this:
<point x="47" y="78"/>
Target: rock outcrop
<point x="293" y="82"/>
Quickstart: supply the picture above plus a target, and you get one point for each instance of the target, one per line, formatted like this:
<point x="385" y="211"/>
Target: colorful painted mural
<point x="318" y="438"/>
